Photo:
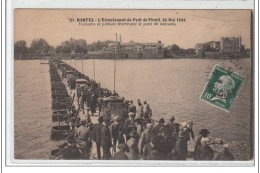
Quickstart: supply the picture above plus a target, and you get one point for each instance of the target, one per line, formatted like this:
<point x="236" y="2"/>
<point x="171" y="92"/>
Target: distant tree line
<point x="40" y="48"/>
<point x="174" y="50"/>
<point x="73" y="46"/>
<point x="99" y="45"/>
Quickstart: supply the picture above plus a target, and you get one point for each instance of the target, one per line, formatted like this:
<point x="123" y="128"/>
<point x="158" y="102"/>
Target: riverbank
<point x="84" y="57"/>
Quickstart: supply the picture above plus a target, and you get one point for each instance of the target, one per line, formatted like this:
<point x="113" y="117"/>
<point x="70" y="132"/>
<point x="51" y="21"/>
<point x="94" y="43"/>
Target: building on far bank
<point x="230" y="45"/>
<point x="214" y="45"/>
<point x="136" y="50"/>
<point x="199" y="49"/>
<point x="226" y="47"/>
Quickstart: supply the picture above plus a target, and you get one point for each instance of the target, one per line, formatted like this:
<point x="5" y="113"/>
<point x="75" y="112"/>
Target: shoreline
<point x="201" y="58"/>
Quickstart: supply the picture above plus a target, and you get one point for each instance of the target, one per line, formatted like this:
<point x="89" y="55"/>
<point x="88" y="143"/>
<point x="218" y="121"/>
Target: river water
<point x="171" y="87"/>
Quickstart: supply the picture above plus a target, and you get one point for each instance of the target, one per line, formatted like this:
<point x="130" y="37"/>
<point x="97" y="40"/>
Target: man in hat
<point x="117" y="131"/>
<point x="97" y="135"/>
<point x="225" y="154"/>
<point x="160" y="125"/>
<point x="172" y="130"/>
<point x="190" y="133"/>
<point x="70" y="151"/>
<point x="129" y="124"/>
<point x="204" y="151"/>
<point x="147" y="110"/>
<point x="93" y="105"/>
<point x="133" y="148"/>
<point x="84" y="136"/>
<point x="181" y="145"/>
<point x="139" y="110"/>
<point x="78" y="90"/>
<point x="172" y="125"/>
<point x="81" y="103"/>
<point x="132" y="107"/>
<point x="106" y="142"/>
<point x="121" y="154"/>
<point x="202" y="134"/>
<point x="145" y="137"/>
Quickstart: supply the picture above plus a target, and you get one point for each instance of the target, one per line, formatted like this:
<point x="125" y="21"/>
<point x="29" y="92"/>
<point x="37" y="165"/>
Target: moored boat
<point x="60" y="132"/>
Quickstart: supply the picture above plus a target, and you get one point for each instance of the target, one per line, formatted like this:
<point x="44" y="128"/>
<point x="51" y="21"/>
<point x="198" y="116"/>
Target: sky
<point x="200" y="26"/>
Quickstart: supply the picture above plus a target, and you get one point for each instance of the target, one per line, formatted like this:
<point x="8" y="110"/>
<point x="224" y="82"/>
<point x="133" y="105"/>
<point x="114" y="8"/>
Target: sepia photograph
<point x="165" y="85"/>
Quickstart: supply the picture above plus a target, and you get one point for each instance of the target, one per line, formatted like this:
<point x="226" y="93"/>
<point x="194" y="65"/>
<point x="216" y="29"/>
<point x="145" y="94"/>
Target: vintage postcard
<point x="133" y="85"/>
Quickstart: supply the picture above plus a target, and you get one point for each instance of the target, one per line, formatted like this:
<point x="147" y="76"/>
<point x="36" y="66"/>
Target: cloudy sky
<point x="200" y="26"/>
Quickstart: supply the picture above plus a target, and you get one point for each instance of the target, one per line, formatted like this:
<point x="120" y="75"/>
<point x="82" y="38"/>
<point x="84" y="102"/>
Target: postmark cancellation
<point x="221" y="88"/>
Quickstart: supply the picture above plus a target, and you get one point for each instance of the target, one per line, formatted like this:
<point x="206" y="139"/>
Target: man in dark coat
<point x="97" y="135"/>
<point x="117" y="131"/>
<point x="181" y="145"/>
<point x="225" y="154"/>
<point x="106" y="142"/>
<point x="93" y="105"/>
<point x="202" y="134"/>
<point x="204" y="151"/>
<point x="132" y="107"/>
<point x="156" y="129"/>
<point x="120" y="155"/>
<point x="190" y="132"/>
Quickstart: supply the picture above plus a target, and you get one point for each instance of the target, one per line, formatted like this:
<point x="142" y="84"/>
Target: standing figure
<point x="204" y="151"/>
<point x="133" y="148"/>
<point x="145" y="137"/>
<point x="78" y="92"/>
<point x="92" y="106"/>
<point x="97" y="135"/>
<point x="106" y="142"/>
<point x="156" y="129"/>
<point x="181" y="145"/>
<point x="99" y="103"/>
<point x="84" y="136"/>
<point x="117" y="131"/>
<point x="81" y="103"/>
<point x="139" y="110"/>
<point x="132" y="107"/>
<point x="190" y="131"/>
<point x="147" y="111"/>
<point x="88" y="116"/>
<point x="202" y="134"/>
<point x="129" y="125"/>
<point x="172" y="130"/>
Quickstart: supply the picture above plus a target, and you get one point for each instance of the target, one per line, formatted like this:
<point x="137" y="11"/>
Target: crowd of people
<point x="139" y="137"/>
<point x="134" y="136"/>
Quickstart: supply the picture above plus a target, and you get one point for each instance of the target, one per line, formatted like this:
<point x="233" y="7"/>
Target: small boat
<point x="60" y="132"/>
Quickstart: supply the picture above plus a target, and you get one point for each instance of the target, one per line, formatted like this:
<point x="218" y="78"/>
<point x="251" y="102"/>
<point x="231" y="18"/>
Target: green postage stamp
<point x="222" y="88"/>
